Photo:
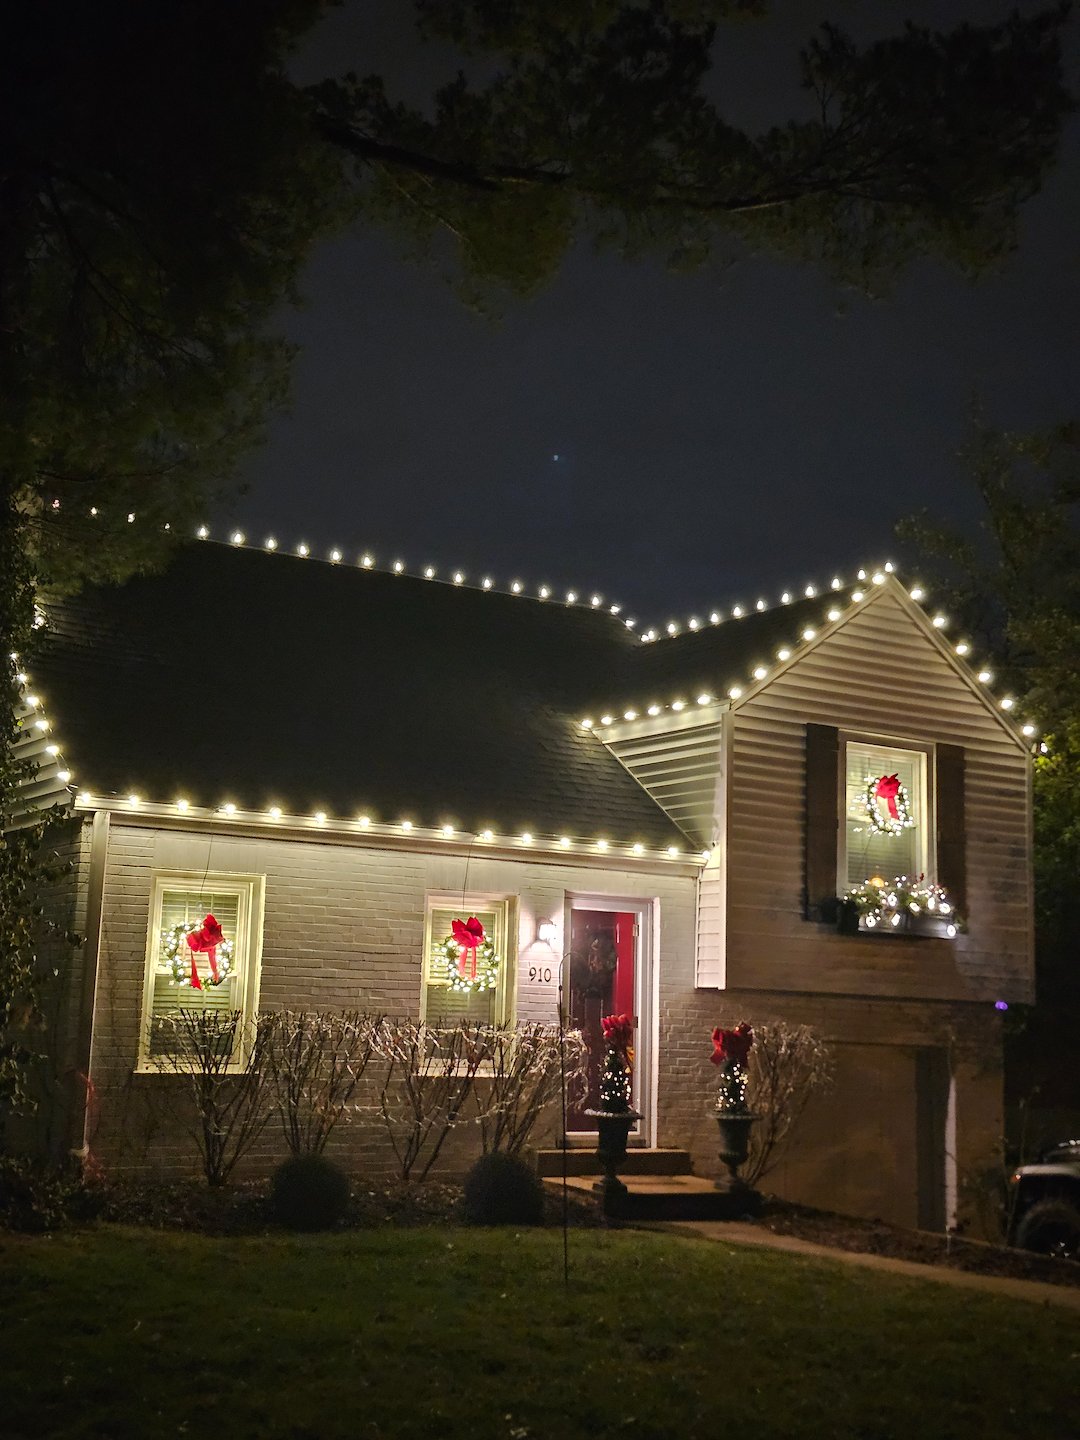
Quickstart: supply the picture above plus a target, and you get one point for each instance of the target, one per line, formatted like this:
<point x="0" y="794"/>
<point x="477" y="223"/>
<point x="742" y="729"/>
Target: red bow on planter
<point x="888" y="787"/>
<point x="469" y="935"/>
<point x="204" y="941"/>
<point x="618" y="1031"/>
<point x="732" y="1044"/>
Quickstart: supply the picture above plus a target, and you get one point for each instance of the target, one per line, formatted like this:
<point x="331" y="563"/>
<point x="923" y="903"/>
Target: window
<point x="227" y="971"/>
<point x="453" y="987"/>
<point x="887" y="810"/>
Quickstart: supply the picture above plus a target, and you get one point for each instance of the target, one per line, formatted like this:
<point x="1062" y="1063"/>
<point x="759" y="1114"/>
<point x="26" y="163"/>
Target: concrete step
<point x="637" y="1162"/>
<point x="666" y="1197"/>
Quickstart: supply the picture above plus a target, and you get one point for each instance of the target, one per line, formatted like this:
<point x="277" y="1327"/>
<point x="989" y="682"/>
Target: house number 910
<point x="541" y="973"/>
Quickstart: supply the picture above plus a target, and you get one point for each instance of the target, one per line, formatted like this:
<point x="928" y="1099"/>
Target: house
<point x="338" y="760"/>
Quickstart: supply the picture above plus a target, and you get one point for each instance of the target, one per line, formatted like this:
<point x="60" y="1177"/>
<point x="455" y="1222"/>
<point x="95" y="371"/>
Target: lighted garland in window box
<point x="902" y="906"/>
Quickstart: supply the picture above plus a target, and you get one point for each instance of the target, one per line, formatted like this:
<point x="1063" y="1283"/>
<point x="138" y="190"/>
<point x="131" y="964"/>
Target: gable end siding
<point x="878" y="675"/>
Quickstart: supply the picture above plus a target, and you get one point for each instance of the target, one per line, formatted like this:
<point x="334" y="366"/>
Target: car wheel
<point x="1052" y="1227"/>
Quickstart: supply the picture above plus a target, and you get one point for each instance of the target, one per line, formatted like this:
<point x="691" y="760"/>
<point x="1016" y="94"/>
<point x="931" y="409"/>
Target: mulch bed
<point x="244" y="1209"/>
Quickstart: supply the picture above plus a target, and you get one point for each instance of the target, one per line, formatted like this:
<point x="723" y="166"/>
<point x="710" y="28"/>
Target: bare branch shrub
<point x="787" y="1064"/>
<point x="231" y="1100"/>
<point x="525" y="1076"/>
<point x="428" y="1080"/>
<point x="316" y="1060"/>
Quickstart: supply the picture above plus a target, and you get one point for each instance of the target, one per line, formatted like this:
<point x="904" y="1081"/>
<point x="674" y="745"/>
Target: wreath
<point x="178" y="952"/>
<point x="896" y="816"/>
<point x="470" y="959"/>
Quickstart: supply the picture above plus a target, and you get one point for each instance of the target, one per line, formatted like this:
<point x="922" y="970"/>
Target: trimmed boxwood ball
<point x="503" y="1190"/>
<point x="309" y="1192"/>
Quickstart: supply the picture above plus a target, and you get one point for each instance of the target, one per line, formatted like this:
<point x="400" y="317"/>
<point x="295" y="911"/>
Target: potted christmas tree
<point x="731" y="1051"/>
<point x="614" y="1116"/>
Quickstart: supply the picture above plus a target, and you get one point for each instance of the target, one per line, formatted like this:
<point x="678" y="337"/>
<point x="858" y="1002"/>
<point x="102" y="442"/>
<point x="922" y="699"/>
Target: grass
<point x="450" y="1333"/>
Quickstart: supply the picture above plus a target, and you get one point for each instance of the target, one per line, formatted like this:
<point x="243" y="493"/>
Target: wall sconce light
<point x="546" y="932"/>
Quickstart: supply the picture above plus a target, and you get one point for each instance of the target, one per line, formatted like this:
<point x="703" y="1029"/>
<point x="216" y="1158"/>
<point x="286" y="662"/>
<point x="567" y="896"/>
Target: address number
<point x="542" y="973"/>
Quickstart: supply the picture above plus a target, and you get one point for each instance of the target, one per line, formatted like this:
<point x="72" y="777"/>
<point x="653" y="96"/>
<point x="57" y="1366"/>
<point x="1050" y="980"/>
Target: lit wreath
<point x="177" y="955"/>
<point x="463" y="973"/>
<point x="896" y="798"/>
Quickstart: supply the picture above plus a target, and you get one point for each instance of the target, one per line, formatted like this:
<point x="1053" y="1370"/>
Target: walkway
<point x="736" y="1232"/>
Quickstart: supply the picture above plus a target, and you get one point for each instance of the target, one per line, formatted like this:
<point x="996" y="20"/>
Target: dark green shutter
<point x="949" y="812"/>
<point x="822" y="819"/>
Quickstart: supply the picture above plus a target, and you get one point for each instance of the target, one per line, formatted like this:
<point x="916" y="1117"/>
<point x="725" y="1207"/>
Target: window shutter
<point x="949" y="811"/>
<point x="822" y="819"/>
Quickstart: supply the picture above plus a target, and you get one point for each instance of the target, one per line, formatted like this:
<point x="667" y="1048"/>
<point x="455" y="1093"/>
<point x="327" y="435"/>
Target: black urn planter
<point x="735" y="1129"/>
<point x="613" y="1127"/>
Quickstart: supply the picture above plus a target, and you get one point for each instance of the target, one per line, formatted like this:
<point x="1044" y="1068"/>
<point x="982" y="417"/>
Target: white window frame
<point x="925" y="801"/>
<point x="506" y="991"/>
<point x="247" y="952"/>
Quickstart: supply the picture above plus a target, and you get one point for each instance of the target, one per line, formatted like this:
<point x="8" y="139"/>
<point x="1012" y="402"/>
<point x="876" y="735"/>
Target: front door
<point x="603" y="978"/>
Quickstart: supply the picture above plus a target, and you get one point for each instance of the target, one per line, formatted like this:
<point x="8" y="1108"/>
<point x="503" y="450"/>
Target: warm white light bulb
<point x="694" y="622"/>
<point x="406" y="824"/>
<point x="564" y="841"/>
<point x="673" y="850"/>
<point x="735" y="692"/>
<point x="836" y="583"/>
<point x="486" y="582"/>
<point x="601" y="844"/>
<point x="429" y="572"/>
<point x="586" y="724"/>
<point x="363" y="821"/>
<point x="448" y="830"/>
<point x="857" y="595"/>
<point x="544" y="592"/>
<point x="335" y="557"/>
<point x="606" y="719"/>
<point x="833" y="614"/>
<point x="52" y="750"/>
<point x="783" y="654"/>
<point x="202" y="532"/>
<point x="271" y="543"/>
<point x="638" y="848"/>
<point x="704" y="699"/>
<point x="133" y="801"/>
<point x="809" y="633"/>
<point x="654" y="709"/>
<point x="399" y="566"/>
<point x="1007" y="702"/>
<point x="629" y="714"/>
<point x="672" y="628"/>
<point x="320" y="817"/>
<point x="459" y="577"/>
<point x="571" y="597"/>
<point x="809" y="592"/>
<point x="737" y="611"/>
<point x="229" y="808"/>
<point x="181" y="804"/>
<point x="367" y="561"/>
<point x="527" y="838"/>
<point x="917" y="592"/>
<point x="678" y="704"/>
<point x="1027" y="729"/>
<point x="714" y="618"/>
<point x="516" y="587"/>
<point x="487" y="835"/>
<point x="939" y="622"/>
<point x="274" y="812"/>
<point x="785" y="598"/>
<point x="65" y="775"/>
<point x="878" y="577"/>
<point x="986" y="676"/>
<point x="596" y="601"/>
<point x="963" y="648"/>
<point x="303" y="551"/>
<point x="760" y="671"/>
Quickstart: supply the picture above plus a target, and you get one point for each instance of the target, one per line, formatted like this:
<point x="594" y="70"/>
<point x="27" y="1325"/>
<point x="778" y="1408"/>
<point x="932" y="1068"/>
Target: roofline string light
<point x="456" y="577"/>
<point x="809" y="633"/>
<point x="363" y="823"/>
<point x="33" y="704"/>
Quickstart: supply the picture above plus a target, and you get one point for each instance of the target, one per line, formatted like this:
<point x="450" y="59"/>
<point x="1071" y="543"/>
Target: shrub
<point x="309" y="1192"/>
<point x="35" y="1198"/>
<point x="502" y="1189"/>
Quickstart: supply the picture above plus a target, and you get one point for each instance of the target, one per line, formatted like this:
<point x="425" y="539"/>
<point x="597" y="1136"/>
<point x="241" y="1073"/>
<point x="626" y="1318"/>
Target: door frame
<point x="646" y="1061"/>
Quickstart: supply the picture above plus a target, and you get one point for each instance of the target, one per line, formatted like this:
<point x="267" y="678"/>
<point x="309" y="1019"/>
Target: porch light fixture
<point x="547" y="932"/>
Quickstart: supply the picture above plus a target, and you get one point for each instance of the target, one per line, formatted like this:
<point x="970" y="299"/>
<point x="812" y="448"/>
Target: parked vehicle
<point x="1046" y="1203"/>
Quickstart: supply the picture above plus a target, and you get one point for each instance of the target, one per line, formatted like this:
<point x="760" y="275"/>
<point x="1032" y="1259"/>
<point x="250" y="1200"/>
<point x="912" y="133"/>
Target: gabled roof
<point x="257" y="684"/>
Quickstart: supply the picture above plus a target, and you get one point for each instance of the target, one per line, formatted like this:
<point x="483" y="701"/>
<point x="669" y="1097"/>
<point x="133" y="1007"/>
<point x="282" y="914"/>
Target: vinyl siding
<point x="879" y="674"/>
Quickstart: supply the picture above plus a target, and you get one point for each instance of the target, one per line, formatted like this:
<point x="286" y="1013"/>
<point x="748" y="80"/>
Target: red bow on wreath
<point x="888" y="787"/>
<point x="618" y="1031"/>
<point x="469" y="936"/>
<point x="732" y="1044"/>
<point x="204" y="941"/>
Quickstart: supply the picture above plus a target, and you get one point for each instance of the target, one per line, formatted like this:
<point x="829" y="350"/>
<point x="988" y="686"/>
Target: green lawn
<point x="454" y="1333"/>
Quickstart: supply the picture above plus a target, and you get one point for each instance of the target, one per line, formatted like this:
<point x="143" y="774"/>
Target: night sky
<point x="674" y="441"/>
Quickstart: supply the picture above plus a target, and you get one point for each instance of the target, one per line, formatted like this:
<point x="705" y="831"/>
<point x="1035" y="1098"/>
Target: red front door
<point x="603" y="946"/>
